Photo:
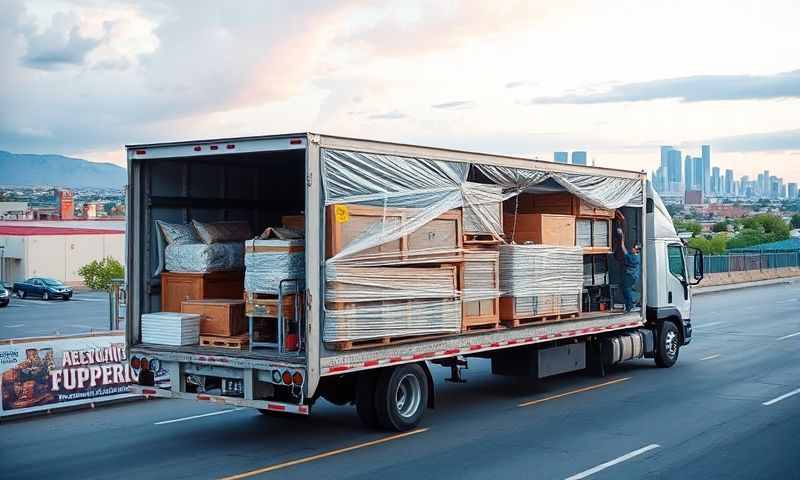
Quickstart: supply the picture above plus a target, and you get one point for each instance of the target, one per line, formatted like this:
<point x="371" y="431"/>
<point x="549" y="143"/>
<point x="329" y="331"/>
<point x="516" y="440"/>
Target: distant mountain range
<point x="58" y="170"/>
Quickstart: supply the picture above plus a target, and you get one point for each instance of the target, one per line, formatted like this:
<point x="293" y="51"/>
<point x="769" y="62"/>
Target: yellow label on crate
<point x="342" y="213"/>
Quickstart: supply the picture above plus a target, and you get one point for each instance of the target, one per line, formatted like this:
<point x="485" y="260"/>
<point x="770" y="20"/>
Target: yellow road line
<point x="573" y="392"/>
<point x="320" y="456"/>
<point x="711" y="357"/>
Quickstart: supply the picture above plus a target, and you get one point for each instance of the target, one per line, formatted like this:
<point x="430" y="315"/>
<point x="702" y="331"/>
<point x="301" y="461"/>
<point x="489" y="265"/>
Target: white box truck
<point x="258" y="179"/>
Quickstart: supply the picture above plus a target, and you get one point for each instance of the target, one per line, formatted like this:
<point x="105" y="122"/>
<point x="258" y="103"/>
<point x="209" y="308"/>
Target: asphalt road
<point x="33" y="317"/>
<point x="721" y="412"/>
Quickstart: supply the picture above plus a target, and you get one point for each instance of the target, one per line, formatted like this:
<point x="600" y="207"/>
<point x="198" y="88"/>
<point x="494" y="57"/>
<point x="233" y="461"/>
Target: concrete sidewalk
<point x="699" y="290"/>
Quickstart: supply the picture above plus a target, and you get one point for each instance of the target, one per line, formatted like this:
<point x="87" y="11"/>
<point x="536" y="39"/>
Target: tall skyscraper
<point x="687" y="173"/>
<point x="674" y="174"/>
<point x="561" y="157"/>
<point x="792" y="190"/>
<point x="579" y="158"/>
<point x="697" y="173"/>
<point x="728" y="189"/>
<point x="705" y="153"/>
<point x="715" y="180"/>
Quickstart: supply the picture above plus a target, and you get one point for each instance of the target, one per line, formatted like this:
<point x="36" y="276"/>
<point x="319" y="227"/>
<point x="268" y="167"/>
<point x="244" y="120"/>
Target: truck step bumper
<point x="239" y="402"/>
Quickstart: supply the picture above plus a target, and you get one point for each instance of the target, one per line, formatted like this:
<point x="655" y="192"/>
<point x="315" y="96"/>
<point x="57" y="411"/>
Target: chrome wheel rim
<point x="408" y="395"/>
<point x="671" y="344"/>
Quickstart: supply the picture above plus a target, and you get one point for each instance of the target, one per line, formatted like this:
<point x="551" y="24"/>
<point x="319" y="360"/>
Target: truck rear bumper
<point x="239" y="402"/>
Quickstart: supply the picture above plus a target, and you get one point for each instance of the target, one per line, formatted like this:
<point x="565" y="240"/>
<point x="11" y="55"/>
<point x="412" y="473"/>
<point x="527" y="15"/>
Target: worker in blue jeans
<point x="633" y="270"/>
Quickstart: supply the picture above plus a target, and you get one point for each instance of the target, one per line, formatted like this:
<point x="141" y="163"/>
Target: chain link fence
<point x="742" y="262"/>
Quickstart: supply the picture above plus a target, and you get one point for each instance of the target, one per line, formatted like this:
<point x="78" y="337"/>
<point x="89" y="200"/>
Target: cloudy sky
<point x="618" y="79"/>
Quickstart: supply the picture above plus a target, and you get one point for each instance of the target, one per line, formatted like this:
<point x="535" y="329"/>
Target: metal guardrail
<point x="743" y="262"/>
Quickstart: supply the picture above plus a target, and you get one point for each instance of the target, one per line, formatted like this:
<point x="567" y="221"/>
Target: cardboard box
<point x="218" y="317"/>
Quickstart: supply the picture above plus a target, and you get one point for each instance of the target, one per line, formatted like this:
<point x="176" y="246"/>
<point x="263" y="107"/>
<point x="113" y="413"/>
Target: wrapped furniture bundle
<point x="540" y="280"/>
<point x="364" y="303"/>
<point x="267" y="262"/>
<point x="480" y="293"/>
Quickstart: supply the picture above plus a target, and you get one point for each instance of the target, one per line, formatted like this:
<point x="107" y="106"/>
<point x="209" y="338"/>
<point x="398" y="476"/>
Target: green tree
<point x="98" y="275"/>
<point x="795" y="220"/>
<point x="717" y="245"/>
<point x="721" y="226"/>
<point x="700" y="243"/>
<point x="687" y="226"/>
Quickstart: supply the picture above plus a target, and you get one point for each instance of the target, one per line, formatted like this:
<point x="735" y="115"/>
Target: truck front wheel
<point x="668" y="346"/>
<point x="401" y="396"/>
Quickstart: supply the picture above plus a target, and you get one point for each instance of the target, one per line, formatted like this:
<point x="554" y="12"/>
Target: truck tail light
<point x="297" y="378"/>
<point x="287" y="377"/>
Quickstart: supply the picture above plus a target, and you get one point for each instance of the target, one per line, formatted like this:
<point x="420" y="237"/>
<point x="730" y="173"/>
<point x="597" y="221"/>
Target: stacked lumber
<point x="480" y="288"/>
<point x="539" y="283"/>
<point x="372" y="305"/>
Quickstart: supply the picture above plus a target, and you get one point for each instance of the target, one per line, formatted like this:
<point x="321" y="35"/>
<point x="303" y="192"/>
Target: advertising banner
<point x="53" y="372"/>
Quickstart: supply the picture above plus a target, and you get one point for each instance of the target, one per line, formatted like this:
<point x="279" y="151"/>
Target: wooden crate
<point x="346" y="222"/>
<point x="484" y="313"/>
<point x="473" y="224"/>
<point x="239" y="342"/>
<point x="218" y="316"/>
<point x="266" y="306"/>
<point x="561" y="203"/>
<point x="177" y="287"/>
<point x="539" y="228"/>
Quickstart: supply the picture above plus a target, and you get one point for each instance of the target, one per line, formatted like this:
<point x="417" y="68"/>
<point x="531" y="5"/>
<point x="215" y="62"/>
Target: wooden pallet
<point x="240" y="342"/>
<point x="552" y="318"/>
<point x="378" y="342"/>
<point x="477" y="326"/>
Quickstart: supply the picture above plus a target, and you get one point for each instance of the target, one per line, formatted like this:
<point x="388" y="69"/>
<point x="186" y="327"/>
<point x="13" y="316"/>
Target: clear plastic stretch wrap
<point x="267" y="262"/>
<point x="422" y="317"/>
<point x="374" y="302"/>
<point x="539" y="270"/>
<point x="203" y="258"/>
<point x="385" y="211"/>
<point x="480" y="276"/>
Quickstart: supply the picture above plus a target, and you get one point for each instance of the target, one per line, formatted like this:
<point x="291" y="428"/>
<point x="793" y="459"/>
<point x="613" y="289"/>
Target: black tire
<point x="669" y="345"/>
<point x="365" y="399"/>
<point x="401" y="396"/>
<point x="46" y="296"/>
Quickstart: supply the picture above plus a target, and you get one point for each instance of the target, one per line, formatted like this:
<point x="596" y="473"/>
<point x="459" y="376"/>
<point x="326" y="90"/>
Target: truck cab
<point x="668" y="284"/>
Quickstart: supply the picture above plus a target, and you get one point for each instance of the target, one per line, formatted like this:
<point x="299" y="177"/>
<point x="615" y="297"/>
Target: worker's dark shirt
<point x="633" y="267"/>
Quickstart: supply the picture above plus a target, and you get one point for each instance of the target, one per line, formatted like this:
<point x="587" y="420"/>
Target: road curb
<point x="737" y="286"/>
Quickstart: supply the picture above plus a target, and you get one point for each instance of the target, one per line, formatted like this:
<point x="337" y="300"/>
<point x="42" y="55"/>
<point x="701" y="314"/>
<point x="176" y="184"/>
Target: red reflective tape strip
<point x="543" y="337"/>
<point x="495" y="344"/>
<point x="512" y="342"/>
<point x="529" y="339"/>
<point x="340" y="368"/>
<point x="370" y="363"/>
<point x="417" y="356"/>
<point x="452" y="351"/>
<point x="273" y="406"/>
<point x="203" y="397"/>
<point x="149" y="391"/>
<point x="302" y="409"/>
<point x="475" y="347"/>
<point x="395" y="359"/>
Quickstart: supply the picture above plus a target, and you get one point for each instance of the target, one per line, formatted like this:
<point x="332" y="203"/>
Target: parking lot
<point x="32" y="317"/>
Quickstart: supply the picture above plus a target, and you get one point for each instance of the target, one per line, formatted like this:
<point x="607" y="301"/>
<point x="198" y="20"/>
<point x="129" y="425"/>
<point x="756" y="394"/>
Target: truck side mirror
<point x="699" y="267"/>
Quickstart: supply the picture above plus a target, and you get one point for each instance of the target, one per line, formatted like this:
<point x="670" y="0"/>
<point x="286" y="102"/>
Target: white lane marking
<point x="782" y="397"/>
<point x="15" y="326"/>
<point x="789" y="336"/>
<point x="611" y="463"/>
<point x="211" y="414"/>
<point x="707" y="324"/>
<point x="711" y="357"/>
<point x="75" y="299"/>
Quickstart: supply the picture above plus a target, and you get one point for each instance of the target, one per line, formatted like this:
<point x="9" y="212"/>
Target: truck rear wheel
<point x="668" y="346"/>
<point x="401" y="396"/>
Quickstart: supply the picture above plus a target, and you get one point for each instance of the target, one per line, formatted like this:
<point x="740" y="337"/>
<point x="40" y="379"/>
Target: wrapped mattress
<point x="204" y="258"/>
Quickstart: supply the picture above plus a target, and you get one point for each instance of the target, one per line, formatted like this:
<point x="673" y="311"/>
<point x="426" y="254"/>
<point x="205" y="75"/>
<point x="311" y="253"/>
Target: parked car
<point x="46" y="288"/>
<point x="5" y="297"/>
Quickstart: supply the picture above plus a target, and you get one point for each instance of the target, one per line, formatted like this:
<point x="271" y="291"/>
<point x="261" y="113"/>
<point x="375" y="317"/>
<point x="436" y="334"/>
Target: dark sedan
<point x="46" y="288"/>
<point x="4" y="296"/>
